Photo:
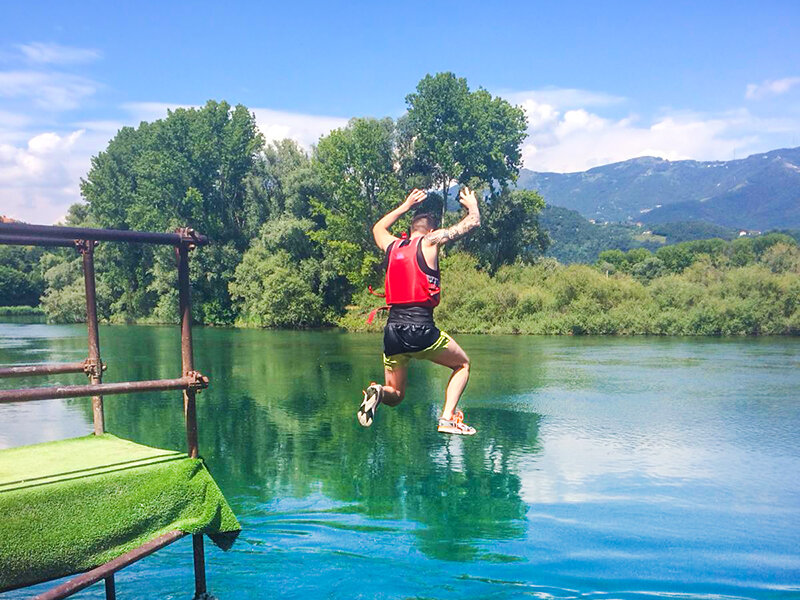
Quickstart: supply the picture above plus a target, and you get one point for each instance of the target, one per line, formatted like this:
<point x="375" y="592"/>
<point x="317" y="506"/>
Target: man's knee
<point x="464" y="364"/>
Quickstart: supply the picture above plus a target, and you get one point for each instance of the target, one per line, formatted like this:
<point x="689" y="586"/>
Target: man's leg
<point x="455" y="358"/>
<point x="394" y="390"/>
<point x="391" y="393"/>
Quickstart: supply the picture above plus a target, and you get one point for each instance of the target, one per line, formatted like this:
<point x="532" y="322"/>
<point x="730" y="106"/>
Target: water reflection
<point x="601" y="465"/>
<point x="279" y="421"/>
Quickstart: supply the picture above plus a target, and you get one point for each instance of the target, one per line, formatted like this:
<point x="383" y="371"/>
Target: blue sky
<point x="600" y="81"/>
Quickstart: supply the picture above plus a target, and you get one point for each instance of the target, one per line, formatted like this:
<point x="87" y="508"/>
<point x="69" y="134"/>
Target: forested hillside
<point x="759" y="192"/>
<point x="573" y="238"/>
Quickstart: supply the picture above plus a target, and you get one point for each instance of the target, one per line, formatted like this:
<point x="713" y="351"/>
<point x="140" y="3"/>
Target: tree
<point x="21" y="281"/>
<point x="16" y="288"/>
<point x="283" y="281"/>
<point x="675" y="258"/>
<point x="614" y="258"/>
<point x="358" y="184"/>
<point x="188" y="169"/>
<point x="280" y="181"/>
<point x="509" y="230"/>
<point x="450" y="134"/>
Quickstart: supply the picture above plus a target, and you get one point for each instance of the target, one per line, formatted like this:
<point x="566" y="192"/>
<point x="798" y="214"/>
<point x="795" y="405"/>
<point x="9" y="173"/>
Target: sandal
<point x="456" y="425"/>
<point x="372" y="397"/>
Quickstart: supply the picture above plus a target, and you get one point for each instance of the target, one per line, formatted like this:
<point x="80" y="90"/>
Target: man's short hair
<point x="423" y="222"/>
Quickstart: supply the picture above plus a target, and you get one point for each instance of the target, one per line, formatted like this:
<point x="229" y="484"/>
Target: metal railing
<point x="84" y="240"/>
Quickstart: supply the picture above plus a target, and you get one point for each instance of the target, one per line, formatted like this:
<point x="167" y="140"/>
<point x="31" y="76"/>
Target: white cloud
<point x="56" y="54"/>
<point x="564" y="97"/>
<point x="303" y="128"/>
<point x="50" y="91"/>
<point x="774" y="87"/>
<point x="40" y="179"/>
<point x="13" y="119"/>
<point x="564" y="137"/>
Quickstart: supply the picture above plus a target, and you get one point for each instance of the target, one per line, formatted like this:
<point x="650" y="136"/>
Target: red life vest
<point x="409" y="279"/>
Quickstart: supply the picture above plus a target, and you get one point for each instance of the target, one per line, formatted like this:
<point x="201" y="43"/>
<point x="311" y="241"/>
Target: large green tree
<point x="281" y="181"/>
<point x="188" y="169"/>
<point x="452" y="135"/>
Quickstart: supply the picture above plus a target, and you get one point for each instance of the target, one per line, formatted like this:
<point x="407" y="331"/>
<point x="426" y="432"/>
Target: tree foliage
<point x="451" y="134"/>
<point x="358" y="184"/>
<point x="188" y="169"/>
<point x="708" y="297"/>
<point x="21" y="281"/>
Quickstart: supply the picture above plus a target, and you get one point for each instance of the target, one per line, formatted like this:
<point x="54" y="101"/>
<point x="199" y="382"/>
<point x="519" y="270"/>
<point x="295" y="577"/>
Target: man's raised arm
<point x="464" y="226"/>
<point x="380" y="231"/>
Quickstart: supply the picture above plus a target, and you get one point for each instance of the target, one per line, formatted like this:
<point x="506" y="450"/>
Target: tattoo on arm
<point x="457" y="231"/>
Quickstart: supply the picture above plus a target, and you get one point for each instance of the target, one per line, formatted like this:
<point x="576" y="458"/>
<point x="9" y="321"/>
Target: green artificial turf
<point x="71" y="505"/>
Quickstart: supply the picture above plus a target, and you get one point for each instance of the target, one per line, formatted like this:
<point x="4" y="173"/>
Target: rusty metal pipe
<point x="187" y="358"/>
<point x="190" y="400"/>
<point x="48" y="369"/>
<point x="21" y="240"/>
<point x="111" y="588"/>
<point x="50" y="232"/>
<point x="94" y="365"/>
<point x="76" y="584"/>
<point x="193" y="381"/>
<point x="200" y="589"/>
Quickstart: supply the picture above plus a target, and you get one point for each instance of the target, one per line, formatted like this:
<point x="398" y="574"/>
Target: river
<point x="608" y="467"/>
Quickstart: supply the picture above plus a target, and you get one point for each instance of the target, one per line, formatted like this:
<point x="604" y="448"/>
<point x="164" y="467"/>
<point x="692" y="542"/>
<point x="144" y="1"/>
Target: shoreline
<point x="38" y="314"/>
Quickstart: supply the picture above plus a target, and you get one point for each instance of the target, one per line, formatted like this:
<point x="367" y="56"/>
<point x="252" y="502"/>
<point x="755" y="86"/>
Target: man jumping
<point x="412" y="292"/>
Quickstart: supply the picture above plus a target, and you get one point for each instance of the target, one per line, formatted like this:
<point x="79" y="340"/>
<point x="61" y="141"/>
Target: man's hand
<point x="467" y="199"/>
<point x="463" y="227"/>
<point x="380" y="231"/>
<point x="414" y="197"/>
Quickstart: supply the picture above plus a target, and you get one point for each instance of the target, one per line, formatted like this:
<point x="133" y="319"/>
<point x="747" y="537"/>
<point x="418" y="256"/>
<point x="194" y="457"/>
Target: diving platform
<point x="90" y="506"/>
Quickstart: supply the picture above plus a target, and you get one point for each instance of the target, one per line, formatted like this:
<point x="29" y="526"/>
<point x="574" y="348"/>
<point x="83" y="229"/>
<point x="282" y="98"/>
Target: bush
<point x="271" y="291"/>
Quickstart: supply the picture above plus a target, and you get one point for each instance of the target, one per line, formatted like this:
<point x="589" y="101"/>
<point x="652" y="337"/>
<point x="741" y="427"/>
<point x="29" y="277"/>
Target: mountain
<point x="759" y="192"/>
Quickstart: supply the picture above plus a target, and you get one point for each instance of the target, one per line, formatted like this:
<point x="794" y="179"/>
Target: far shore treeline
<point x="292" y="244"/>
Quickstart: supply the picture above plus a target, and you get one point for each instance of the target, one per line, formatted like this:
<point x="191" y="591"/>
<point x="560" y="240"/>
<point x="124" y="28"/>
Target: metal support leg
<point x="199" y="567"/>
<point x="111" y="588"/>
<point x="189" y="406"/>
<point x="187" y="358"/>
<point x="94" y="365"/>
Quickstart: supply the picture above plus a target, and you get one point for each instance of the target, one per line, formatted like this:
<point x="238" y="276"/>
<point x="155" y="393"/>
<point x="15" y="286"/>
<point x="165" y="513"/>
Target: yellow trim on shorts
<point x="402" y="360"/>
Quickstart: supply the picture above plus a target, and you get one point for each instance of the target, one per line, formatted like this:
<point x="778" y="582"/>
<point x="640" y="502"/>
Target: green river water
<point x="603" y="467"/>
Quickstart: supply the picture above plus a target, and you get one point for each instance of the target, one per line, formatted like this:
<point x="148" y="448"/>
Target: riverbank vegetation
<point x="292" y="244"/>
<point x="21" y="311"/>
<point x="744" y="287"/>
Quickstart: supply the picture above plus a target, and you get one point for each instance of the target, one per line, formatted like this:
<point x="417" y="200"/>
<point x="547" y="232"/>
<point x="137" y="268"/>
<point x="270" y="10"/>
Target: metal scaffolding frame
<point x="84" y="240"/>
